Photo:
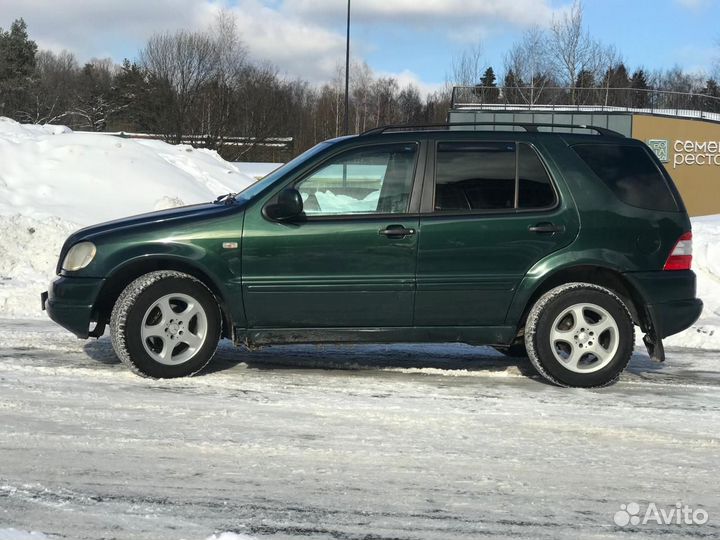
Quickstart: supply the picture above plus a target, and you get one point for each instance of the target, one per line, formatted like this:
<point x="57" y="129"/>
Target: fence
<point x="661" y="102"/>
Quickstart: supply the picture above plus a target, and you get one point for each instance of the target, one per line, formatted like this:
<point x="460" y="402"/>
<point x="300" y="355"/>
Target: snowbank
<point x="14" y="534"/>
<point x="705" y="333"/>
<point x="53" y="181"/>
<point x="84" y="178"/>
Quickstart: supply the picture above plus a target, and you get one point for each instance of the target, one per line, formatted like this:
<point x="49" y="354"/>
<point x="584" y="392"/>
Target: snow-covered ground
<point x="407" y="442"/>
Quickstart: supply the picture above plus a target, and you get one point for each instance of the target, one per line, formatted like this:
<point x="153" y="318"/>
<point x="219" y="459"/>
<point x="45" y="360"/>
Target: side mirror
<point x="289" y="206"/>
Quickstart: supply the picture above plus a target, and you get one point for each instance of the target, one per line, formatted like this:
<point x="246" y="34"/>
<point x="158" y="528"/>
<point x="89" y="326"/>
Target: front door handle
<point x="546" y="228"/>
<point x="396" y="231"/>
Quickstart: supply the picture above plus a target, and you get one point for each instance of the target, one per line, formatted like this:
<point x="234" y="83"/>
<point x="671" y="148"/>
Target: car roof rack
<point x="529" y="127"/>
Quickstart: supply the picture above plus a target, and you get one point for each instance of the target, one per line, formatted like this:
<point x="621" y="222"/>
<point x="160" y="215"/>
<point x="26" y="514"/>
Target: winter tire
<point x="579" y="335"/>
<point x="165" y="324"/>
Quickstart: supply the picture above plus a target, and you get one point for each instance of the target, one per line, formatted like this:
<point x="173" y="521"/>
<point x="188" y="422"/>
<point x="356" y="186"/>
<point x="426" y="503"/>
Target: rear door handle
<point x="546" y="228"/>
<point x="396" y="231"/>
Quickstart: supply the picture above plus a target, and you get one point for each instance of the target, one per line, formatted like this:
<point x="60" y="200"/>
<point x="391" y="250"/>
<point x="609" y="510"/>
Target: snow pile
<point x="54" y="181"/>
<point x="30" y="249"/>
<point x="332" y="203"/>
<point x="705" y="333"/>
<point x="84" y="178"/>
<point x="14" y="534"/>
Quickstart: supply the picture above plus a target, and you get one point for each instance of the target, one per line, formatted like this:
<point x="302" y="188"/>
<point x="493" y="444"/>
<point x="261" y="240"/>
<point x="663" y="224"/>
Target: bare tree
<point x="362" y="81"/>
<point x="51" y="98"/>
<point x="217" y="107"/>
<point x="184" y="62"/>
<point x="467" y="69"/>
<point x="530" y="63"/>
<point x="574" y="51"/>
<point x="409" y="104"/>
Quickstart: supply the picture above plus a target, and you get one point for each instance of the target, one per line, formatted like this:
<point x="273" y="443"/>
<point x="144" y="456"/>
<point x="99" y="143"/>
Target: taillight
<point x="681" y="256"/>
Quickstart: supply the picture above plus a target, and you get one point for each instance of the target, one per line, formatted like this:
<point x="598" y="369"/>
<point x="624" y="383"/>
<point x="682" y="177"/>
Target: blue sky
<point x="414" y="40"/>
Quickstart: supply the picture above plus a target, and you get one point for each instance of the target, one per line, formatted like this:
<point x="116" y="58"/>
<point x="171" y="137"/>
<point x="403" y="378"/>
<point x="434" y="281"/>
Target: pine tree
<point x="616" y="82"/>
<point x="638" y="82"/>
<point x="17" y="64"/>
<point x="511" y="83"/>
<point x="489" y="85"/>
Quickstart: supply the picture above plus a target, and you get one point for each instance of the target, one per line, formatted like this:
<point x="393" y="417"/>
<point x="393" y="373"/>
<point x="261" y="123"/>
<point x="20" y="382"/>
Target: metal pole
<point x="347" y="74"/>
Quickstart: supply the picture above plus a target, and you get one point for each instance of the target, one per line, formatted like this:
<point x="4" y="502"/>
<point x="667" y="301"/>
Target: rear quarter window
<point x="630" y="173"/>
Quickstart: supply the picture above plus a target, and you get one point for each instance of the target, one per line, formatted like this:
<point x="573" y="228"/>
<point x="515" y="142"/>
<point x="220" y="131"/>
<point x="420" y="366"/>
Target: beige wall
<point x="693" y="157"/>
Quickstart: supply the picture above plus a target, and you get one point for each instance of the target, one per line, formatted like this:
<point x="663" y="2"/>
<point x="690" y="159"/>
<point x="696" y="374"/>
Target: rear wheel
<point x="579" y="334"/>
<point x="165" y="324"/>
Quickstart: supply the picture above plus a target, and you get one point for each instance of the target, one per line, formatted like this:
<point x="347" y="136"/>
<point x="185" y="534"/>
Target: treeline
<point x="200" y="84"/>
<point x="204" y="86"/>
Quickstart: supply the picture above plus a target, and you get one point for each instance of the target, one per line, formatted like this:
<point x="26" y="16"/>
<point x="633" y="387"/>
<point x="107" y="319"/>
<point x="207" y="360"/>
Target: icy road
<point x="369" y="442"/>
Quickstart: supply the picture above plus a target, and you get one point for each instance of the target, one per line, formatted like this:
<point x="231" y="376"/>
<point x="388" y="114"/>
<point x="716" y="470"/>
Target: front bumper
<point x="69" y="302"/>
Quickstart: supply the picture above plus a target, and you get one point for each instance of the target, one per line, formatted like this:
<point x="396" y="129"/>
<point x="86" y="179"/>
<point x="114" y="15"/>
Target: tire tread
<point x="126" y="300"/>
<point x="536" y="312"/>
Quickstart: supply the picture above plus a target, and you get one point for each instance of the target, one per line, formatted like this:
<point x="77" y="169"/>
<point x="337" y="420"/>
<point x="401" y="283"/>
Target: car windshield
<point x="266" y="181"/>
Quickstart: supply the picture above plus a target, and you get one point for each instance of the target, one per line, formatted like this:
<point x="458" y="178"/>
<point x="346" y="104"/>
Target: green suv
<point x="546" y="241"/>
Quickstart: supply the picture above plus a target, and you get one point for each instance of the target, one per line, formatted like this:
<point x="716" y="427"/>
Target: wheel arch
<point x="123" y="275"/>
<point x="601" y="275"/>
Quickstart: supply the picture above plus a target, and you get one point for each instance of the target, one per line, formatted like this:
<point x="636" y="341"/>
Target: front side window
<point x="477" y="176"/>
<point x="372" y="180"/>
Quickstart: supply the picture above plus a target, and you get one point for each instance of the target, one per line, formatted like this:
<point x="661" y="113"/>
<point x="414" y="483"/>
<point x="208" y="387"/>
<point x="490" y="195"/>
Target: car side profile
<point x="553" y="242"/>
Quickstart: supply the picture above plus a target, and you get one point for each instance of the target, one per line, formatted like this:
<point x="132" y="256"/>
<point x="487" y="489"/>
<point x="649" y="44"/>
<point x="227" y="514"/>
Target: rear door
<point x="490" y="212"/>
<point x="350" y="262"/>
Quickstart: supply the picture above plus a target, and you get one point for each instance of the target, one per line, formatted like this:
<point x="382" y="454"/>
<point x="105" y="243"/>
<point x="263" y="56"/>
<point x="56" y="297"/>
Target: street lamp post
<point x="347" y="74"/>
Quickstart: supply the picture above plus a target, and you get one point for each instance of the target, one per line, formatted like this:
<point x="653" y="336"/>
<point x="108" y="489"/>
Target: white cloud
<point x="303" y="38"/>
<point x="91" y="28"/>
<point x="694" y="5"/>
<point x="298" y="47"/>
<point x="430" y="12"/>
<point x="406" y="77"/>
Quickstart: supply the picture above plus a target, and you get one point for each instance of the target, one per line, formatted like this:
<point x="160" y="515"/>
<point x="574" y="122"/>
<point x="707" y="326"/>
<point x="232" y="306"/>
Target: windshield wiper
<point x="228" y="198"/>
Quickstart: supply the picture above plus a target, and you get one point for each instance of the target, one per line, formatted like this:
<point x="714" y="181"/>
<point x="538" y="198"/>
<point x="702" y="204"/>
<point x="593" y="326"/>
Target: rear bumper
<point x="672" y="317"/>
<point x="69" y="302"/>
<point x="669" y="298"/>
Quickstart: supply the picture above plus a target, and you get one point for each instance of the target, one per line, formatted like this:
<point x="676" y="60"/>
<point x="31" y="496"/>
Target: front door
<point x="491" y="213"/>
<point x="350" y="262"/>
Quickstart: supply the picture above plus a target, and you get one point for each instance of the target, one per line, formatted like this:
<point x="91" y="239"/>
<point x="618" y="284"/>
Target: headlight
<point x="79" y="256"/>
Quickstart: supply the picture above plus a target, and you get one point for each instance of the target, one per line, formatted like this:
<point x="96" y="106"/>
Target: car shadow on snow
<point x="454" y="357"/>
<point x="101" y="351"/>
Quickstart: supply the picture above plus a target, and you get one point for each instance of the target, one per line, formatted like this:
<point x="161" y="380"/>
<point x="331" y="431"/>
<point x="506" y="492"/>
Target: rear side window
<point x="630" y="173"/>
<point x="490" y="176"/>
<point x="534" y="187"/>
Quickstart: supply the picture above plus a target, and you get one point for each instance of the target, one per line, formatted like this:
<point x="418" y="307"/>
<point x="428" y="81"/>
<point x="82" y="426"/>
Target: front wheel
<point x="580" y="335"/>
<point x="165" y="324"/>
